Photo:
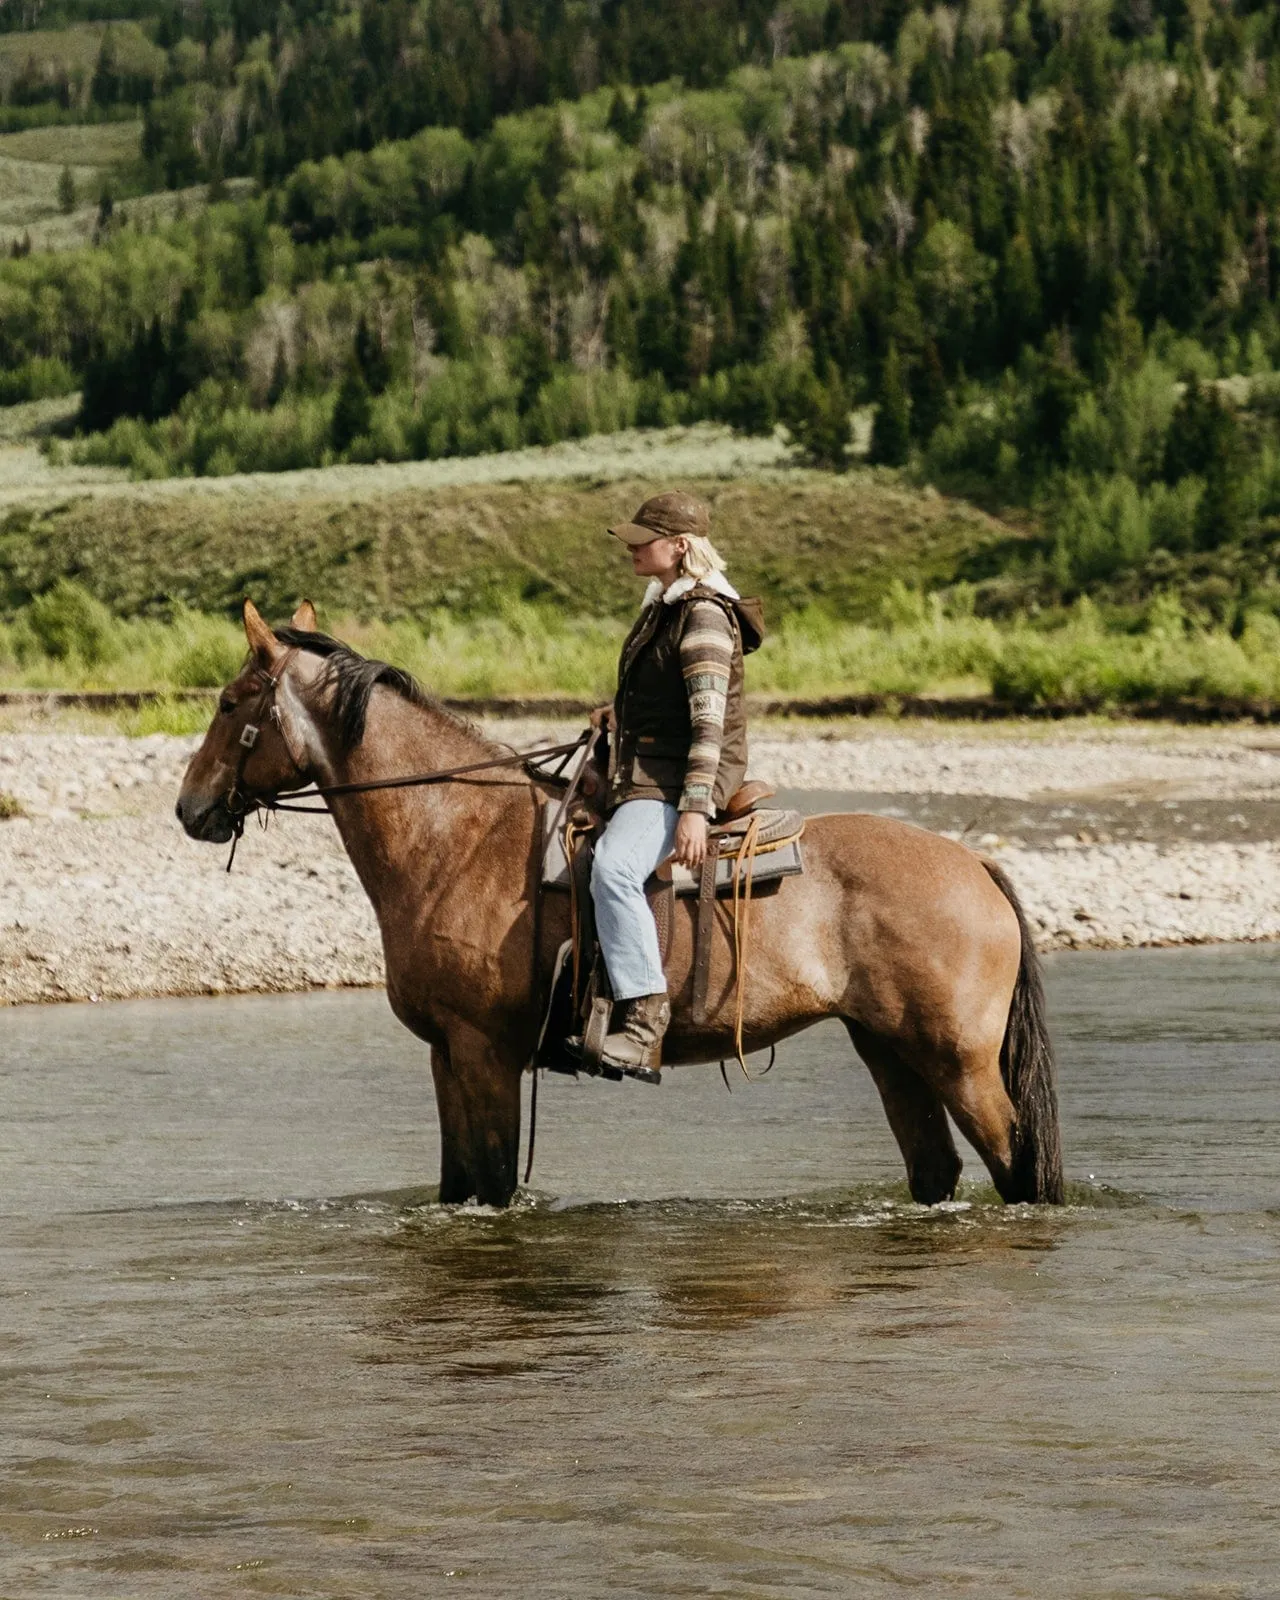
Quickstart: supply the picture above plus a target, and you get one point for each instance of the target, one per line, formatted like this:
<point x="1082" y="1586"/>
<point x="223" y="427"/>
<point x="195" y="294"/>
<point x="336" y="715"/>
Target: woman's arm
<point x="706" y="654"/>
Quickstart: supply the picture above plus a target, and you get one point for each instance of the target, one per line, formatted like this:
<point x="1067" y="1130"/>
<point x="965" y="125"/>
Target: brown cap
<point x="666" y="516"/>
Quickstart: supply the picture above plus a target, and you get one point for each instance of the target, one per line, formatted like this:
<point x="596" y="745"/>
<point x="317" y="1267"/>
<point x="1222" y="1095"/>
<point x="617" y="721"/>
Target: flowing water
<point x="715" y="1351"/>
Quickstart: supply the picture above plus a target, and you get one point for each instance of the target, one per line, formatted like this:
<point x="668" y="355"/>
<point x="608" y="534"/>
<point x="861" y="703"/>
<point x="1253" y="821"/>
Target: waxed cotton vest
<point x="654" y="733"/>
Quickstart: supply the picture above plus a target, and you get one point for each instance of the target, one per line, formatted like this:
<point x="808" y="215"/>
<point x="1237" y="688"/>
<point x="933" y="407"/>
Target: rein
<point x="410" y="780"/>
<point x="241" y="801"/>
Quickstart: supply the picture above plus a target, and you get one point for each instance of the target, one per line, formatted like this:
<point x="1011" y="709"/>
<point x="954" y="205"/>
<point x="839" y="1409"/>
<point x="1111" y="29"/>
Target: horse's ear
<point x="264" y="644"/>
<point x="304" y="618"/>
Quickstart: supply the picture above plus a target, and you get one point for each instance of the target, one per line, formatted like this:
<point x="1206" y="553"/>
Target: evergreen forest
<point x="1035" y="242"/>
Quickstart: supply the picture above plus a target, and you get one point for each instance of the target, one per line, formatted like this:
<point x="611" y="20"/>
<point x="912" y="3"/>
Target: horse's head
<point x="249" y="749"/>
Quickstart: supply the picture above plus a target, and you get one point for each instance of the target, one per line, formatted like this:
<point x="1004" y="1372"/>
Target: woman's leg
<point x="639" y="836"/>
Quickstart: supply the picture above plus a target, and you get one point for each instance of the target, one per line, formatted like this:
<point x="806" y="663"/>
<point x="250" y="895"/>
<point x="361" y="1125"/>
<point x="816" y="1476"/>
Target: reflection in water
<point x="534" y="1275"/>
<point x="776" y="1385"/>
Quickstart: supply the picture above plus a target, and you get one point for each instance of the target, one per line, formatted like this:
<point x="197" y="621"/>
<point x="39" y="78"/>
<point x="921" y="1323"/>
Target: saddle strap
<point x="702" y="939"/>
<point x="742" y="930"/>
<point x="581" y="914"/>
<point x="662" y="904"/>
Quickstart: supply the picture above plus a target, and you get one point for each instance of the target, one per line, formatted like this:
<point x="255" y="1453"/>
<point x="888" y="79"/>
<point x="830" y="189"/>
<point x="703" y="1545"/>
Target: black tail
<point x="1026" y="1065"/>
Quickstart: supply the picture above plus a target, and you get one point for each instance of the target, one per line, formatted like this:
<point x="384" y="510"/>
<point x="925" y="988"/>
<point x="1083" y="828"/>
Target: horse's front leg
<point x="478" y="1101"/>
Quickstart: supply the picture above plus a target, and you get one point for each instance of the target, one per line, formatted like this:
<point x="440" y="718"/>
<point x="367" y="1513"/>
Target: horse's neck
<point x="404" y="840"/>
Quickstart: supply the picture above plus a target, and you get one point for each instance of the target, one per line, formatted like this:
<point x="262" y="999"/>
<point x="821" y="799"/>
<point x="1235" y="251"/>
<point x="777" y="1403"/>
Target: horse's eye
<point x="226" y="705"/>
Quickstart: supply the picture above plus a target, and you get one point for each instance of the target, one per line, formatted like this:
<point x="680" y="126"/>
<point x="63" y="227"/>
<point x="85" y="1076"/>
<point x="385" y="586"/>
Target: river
<point x="714" y="1351"/>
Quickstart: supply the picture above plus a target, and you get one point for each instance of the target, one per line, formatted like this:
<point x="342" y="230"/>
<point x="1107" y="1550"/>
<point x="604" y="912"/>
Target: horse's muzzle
<point x="209" y="822"/>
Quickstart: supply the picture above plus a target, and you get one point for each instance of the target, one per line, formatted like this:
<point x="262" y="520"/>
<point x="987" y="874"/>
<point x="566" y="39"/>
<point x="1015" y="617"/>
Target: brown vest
<point x="654" y="733"/>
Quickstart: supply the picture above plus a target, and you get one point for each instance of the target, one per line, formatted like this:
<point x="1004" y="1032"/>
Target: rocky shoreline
<point x="102" y="896"/>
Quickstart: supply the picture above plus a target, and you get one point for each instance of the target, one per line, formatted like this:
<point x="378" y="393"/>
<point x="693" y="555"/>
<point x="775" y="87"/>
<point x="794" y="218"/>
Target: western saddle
<point x="750" y="850"/>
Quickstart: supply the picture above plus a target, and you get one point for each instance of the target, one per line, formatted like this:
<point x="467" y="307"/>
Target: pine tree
<point x="66" y="191"/>
<point x="371" y="358"/>
<point x="279" y="376"/>
<point x="819" y="423"/>
<point x="1204" y="440"/>
<point x="352" y="411"/>
<point x="891" y="431"/>
<point x="930" y="399"/>
<point x="106" y="85"/>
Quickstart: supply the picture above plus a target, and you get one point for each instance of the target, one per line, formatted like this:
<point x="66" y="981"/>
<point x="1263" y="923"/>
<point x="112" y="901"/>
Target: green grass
<point x="68" y="641"/>
<point x="76" y="49"/>
<point x="90" y="144"/>
<point x="31" y="164"/>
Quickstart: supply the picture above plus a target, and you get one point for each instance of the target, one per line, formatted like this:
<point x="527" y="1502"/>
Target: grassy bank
<point x="494" y="577"/>
<point x="69" y="641"/>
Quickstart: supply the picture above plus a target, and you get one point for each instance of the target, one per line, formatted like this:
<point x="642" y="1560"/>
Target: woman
<point x="679" y="751"/>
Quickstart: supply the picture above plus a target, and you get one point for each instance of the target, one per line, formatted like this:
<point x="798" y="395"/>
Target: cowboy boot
<point x="636" y="1050"/>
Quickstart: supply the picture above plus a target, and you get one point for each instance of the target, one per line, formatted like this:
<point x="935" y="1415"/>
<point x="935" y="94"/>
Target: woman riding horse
<point x="678" y="752"/>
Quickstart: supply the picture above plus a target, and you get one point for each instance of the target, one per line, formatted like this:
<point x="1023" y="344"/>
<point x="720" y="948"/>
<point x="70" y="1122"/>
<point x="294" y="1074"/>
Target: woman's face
<point x="660" y="558"/>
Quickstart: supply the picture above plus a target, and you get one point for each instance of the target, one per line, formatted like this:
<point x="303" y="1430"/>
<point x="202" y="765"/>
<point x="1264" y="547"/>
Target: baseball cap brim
<point x="634" y="533"/>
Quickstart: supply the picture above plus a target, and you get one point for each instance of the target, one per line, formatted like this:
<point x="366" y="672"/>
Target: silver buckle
<point x="248" y="736"/>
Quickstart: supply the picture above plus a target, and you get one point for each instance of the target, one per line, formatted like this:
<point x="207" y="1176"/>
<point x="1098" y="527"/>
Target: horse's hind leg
<point x="973" y="1091"/>
<point x="917" y="1118"/>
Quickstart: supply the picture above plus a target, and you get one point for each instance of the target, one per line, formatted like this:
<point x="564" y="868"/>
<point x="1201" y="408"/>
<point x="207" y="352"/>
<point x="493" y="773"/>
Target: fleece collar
<point x="681" y="587"/>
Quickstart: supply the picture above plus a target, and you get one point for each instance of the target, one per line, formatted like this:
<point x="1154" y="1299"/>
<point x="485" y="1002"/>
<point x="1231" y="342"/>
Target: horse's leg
<point x="972" y="1089"/>
<point x="455" y="1132"/>
<point x="478" y="1100"/>
<point x="917" y="1118"/>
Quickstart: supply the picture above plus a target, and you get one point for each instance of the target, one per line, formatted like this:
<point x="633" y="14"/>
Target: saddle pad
<point x="555" y="864"/>
<point x="781" y="859"/>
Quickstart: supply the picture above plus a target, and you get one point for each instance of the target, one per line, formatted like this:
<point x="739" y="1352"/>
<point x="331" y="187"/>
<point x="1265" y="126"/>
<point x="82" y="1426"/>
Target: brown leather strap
<point x="579" y="849"/>
<point x="742" y="930"/>
<point x="702" y="938"/>
<point x="662" y="902"/>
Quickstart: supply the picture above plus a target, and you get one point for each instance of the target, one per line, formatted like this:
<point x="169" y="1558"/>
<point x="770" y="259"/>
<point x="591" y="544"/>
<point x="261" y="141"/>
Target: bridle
<point x="241" y="801"/>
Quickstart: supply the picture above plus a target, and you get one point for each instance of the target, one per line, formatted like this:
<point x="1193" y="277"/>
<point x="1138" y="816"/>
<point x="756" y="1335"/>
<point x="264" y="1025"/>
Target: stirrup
<point x="575" y="1047"/>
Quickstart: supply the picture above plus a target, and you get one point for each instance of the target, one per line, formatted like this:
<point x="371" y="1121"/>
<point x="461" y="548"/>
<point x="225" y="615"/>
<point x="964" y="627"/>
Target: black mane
<point x="352" y="678"/>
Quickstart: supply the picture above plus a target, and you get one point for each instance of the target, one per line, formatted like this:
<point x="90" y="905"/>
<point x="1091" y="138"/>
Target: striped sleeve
<point x="706" y="654"/>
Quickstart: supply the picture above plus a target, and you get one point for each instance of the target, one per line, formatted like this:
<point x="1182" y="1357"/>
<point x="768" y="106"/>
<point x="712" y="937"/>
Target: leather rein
<point x="242" y="802"/>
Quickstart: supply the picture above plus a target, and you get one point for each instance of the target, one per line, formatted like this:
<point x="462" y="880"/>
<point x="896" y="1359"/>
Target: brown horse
<point x="915" y="943"/>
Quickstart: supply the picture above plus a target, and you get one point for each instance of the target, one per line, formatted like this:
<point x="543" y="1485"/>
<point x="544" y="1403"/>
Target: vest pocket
<point x="651" y="770"/>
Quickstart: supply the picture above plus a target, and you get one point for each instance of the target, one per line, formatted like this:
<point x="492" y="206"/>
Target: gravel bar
<point x="102" y="895"/>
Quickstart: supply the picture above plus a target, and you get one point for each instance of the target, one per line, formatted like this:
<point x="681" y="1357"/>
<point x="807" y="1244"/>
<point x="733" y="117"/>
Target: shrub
<point x="40" y="378"/>
<point x="209" y="660"/>
<point x="572" y="405"/>
<point x="68" y="623"/>
<point x="1101" y="525"/>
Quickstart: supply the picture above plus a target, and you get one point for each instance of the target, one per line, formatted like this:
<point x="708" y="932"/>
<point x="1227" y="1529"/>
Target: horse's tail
<point x="1026" y="1065"/>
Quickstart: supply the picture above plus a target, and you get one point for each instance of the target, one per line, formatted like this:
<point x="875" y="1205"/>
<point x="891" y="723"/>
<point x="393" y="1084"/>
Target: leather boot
<point x="636" y="1050"/>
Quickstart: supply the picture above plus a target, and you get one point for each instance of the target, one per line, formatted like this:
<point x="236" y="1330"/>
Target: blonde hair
<point x="700" y="557"/>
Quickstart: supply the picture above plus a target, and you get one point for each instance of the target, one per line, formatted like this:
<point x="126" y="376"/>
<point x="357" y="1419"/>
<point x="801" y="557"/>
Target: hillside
<point x="1040" y="245"/>
<point x="402" y="541"/>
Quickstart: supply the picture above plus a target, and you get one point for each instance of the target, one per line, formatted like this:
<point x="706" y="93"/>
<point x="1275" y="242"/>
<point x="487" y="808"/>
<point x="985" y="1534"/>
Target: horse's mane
<point x="352" y="678"/>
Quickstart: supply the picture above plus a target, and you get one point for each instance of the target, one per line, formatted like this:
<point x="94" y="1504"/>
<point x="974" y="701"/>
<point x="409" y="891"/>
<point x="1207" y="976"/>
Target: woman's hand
<point x="691" y="839"/>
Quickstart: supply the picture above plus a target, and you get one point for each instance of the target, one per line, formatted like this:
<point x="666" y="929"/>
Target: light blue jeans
<point x="638" y="837"/>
